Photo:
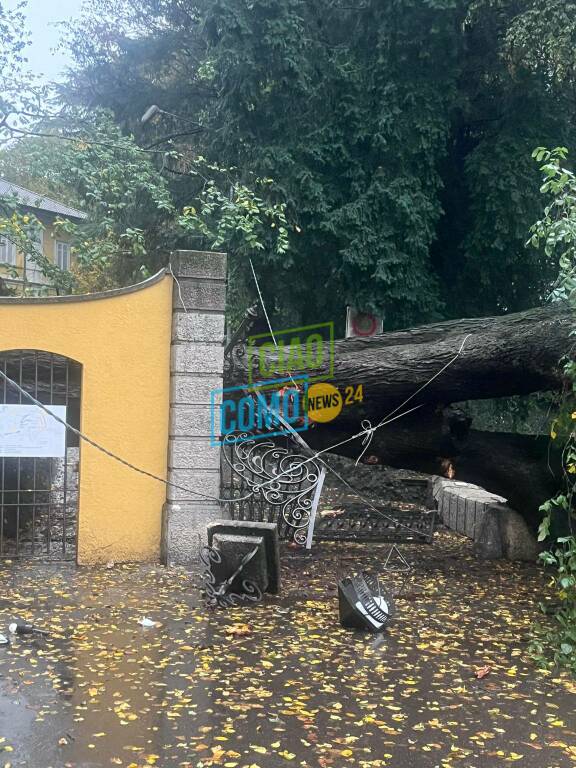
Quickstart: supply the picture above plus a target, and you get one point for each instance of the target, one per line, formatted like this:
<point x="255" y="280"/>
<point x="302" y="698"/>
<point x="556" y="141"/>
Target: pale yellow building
<point x="20" y="270"/>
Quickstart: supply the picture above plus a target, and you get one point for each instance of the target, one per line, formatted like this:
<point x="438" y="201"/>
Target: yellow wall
<point x="123" y="344"/>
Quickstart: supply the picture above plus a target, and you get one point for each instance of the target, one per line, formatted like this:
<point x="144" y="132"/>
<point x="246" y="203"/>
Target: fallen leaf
<point x="481" y="672"/>
<point x="239" y="630"/>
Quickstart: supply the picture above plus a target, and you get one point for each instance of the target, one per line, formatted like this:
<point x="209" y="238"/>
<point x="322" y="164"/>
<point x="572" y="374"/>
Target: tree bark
<point x="500" y="356"/>
<point x="433" y="366"/>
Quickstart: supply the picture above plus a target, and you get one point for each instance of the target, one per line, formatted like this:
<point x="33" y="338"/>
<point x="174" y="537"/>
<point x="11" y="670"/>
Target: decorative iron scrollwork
<point x="220" y="596"/>
<point x="235" y="351"/>
<point x="284" y="480"/>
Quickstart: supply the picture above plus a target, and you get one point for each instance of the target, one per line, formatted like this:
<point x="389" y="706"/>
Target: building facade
<point x="20" y="271"/>
<point x="132" y="368"/>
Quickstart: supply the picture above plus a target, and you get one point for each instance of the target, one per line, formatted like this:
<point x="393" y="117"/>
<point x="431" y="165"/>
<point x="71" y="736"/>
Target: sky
<point x="42" y="16"/>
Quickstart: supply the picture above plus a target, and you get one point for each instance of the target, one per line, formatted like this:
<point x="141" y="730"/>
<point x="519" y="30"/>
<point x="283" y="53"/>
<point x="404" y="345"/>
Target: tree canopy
<point x="398" y="134"/>
<point x="381" y="149"/>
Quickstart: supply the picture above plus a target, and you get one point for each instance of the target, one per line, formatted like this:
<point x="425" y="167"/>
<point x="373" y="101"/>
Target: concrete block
<point x="190" y="421"/>
<point x="199" y="264"/>
<point x="497" y="530"/>
<point x="201" y="481"/>
<point x="197" y="358"/>
<point x="193" y="294"/>
<point x="233" y="549"/>
<point x="488" y="544"/>
<point x="460" y="504"/>
<point x="189" y="389"/>
<point x="193" y="454"/>
<point x="198" y="326"/>
<point x="269" y="531"/>
<point x="184" y="531"/>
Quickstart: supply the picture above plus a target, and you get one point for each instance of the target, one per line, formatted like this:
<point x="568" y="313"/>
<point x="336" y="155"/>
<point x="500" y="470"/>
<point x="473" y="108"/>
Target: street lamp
<point x="154" y="110"/>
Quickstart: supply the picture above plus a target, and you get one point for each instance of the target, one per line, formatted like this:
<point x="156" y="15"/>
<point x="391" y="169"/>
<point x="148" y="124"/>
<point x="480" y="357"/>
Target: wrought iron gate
<point x="269" y="481"/>
<point x="39" y="496"/>
<point x="272" y="481"/>
<point x="378" y="522"/>
<point x="275" y="480"/>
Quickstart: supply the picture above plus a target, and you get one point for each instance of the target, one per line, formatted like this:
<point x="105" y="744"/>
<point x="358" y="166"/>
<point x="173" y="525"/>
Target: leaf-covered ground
<point x="281" y="684"/>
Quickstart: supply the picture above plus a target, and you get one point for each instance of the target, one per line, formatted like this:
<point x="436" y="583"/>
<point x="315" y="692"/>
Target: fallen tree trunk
<point x="433" y="366"/>
<point x="519" y="467"/>
<point x="501" y="356"/>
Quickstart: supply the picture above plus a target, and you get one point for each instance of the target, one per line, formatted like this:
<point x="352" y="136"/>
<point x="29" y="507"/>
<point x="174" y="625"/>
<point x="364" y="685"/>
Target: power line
<point x="168" y="483"/>
<point x="368" y="430"/>
<point x="387" y="420"/>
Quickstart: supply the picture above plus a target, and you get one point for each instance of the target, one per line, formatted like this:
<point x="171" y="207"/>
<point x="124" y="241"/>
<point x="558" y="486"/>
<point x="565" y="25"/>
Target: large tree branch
<point x="433" y="366"/>
<point x="514" y="354"/>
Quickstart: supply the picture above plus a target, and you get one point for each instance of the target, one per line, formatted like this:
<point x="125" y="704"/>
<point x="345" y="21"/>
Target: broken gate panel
<point x="383" y="522"/>
<point x="272" y="481"/>
<point x="39" y="496"/>
<point x="268" y="481"/>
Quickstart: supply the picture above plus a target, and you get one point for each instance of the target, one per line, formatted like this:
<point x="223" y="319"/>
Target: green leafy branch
<point x="555" y="234"/>
<point x="238" y="218"/>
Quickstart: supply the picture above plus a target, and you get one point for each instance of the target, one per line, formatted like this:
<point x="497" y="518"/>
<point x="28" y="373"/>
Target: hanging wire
<point x="364" y="432"/>
<point x="368" y="430"/>
<point x="145" y="472"/>
<point x="266" y="316"/>
<point x="171" y="271"/>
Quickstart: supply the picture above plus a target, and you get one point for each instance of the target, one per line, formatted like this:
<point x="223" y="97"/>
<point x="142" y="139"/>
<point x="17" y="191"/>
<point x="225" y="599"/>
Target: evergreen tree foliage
<point x="398" y="133"/>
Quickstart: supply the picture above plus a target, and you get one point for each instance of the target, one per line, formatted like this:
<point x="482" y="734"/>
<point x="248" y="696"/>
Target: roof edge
<point x="36" y="196"/>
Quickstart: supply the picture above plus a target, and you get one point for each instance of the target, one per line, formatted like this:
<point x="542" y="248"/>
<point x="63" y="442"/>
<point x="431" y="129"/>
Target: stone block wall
<point x="498" y="531"/>
<point x="197" y="358"/>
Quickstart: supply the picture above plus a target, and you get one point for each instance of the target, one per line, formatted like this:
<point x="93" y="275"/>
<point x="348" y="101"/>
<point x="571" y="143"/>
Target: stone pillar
<point x="197" y="358"/>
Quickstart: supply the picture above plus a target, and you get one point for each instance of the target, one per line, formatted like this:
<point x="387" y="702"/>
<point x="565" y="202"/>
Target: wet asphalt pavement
<point x="281" y="684"/>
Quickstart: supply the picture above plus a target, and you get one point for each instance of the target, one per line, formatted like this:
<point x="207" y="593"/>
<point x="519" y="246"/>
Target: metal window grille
<point x="39" y="496"/>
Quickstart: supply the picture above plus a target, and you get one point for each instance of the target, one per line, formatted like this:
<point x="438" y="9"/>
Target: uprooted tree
<point x="432" y="367"/>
